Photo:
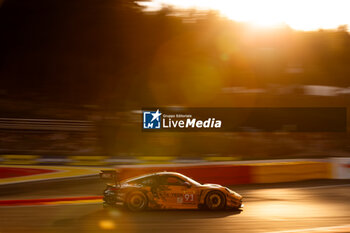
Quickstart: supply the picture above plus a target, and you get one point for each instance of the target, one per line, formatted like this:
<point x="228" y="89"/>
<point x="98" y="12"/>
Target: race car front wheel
<point x="215" y="200"/>
<point x="136" y="201"/>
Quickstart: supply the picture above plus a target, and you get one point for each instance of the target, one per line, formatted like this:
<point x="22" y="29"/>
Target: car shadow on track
<point x="94" y="220"/>
<point x="179" y="214"/>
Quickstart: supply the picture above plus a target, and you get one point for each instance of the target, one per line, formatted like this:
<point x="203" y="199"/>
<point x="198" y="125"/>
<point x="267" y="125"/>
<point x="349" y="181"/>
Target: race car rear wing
<point x="110" y="175"/>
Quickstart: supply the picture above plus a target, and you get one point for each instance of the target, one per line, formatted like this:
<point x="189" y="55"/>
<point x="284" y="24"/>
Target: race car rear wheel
<point x="215" y="200"/>
<point x="136" y="201"/>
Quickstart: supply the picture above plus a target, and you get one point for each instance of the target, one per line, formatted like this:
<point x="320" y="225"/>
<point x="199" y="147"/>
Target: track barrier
<point x="206" y="170"/>
<point x="231" y="174"/>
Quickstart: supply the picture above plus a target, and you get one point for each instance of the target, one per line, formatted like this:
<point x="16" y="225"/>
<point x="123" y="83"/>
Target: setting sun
<point x="298" y="14"/>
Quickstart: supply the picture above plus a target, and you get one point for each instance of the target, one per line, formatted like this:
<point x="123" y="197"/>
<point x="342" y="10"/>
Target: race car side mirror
<point x="187" y="184"/>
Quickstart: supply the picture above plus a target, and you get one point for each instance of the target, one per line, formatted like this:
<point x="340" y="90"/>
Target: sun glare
<point x="298" y="14"/>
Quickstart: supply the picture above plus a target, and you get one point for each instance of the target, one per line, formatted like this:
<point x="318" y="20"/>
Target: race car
<point x="167" y="190"/>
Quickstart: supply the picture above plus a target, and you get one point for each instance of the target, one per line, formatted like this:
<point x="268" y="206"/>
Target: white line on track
<point x="315" y="229"/>
<point x="322" y="186"/>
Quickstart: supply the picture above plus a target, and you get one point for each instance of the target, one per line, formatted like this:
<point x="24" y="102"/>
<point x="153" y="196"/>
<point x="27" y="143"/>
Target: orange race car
<point x="167" y="190"/>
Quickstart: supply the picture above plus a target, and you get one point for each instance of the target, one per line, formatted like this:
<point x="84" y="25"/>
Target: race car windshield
<point x="191" y="181"/>
<point x="136" y="179"/>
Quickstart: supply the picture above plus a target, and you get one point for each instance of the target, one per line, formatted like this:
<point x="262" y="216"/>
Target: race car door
<point x="176" y="193"/>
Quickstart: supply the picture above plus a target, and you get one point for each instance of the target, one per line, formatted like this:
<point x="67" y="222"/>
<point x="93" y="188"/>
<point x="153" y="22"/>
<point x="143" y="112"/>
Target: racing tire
<point x="136" y="201"/>
<point x="215" y="200"/>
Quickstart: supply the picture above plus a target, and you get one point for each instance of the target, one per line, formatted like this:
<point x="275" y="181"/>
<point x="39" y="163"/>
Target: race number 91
<point x="188" y="197"/>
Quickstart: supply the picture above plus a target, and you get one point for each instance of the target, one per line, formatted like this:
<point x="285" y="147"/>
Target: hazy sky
<point x="298" y="14"/>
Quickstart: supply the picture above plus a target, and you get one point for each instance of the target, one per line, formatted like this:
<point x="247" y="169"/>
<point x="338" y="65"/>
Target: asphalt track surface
<point x="313" y="206"/>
